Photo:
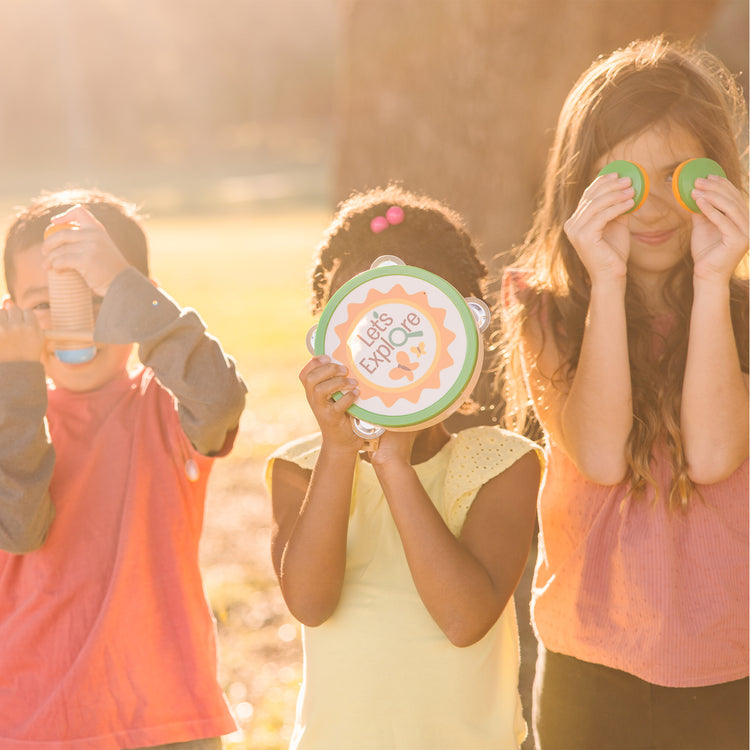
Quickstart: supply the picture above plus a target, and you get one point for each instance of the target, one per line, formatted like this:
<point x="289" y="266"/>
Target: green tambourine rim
<point x="472" y="343"/>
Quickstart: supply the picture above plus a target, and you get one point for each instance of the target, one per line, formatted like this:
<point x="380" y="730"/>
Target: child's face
<point x="660" y="228"/>
<point x="31" y="292"/>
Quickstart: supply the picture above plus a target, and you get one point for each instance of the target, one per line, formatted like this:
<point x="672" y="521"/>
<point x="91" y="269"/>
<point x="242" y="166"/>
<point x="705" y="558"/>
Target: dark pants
<point x="583" y="706"/>
<point x="212" y="743"/>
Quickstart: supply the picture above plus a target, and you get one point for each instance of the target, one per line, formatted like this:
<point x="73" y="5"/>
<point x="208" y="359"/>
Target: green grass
<point x="247" y="276"/>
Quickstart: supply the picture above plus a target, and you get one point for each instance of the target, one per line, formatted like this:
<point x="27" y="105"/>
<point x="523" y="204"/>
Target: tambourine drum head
<point x="409" y="339"/>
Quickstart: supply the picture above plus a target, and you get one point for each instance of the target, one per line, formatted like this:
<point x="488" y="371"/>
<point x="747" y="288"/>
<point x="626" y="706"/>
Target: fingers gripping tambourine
<point x="410" y="339"/>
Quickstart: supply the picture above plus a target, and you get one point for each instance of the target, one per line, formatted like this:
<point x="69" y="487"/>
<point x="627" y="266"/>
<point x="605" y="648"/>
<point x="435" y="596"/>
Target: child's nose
<point x="659" y="201"/>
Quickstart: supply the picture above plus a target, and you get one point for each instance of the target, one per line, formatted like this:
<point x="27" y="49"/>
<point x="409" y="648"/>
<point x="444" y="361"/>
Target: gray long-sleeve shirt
<point x="172" y="341"/>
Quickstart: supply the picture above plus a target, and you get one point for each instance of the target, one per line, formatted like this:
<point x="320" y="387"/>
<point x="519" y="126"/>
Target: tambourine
<point x="410" y="339"/>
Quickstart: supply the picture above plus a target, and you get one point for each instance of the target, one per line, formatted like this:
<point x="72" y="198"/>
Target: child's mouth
<point x="653" y="238"/>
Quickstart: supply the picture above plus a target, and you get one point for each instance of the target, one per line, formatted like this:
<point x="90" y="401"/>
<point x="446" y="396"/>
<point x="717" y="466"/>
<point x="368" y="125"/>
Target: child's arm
<point x="172" y="341"/>
<point x="465" y="583"/>
<point x="591" y="419"/>
<point x="714" y="406"/>
<point x="311" y="511"/>
<point x="26" y="453"/>
<point x="187" y="360"/>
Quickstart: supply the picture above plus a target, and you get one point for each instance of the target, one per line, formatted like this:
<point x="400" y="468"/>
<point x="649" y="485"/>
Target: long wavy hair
<point x="646" y="84"/>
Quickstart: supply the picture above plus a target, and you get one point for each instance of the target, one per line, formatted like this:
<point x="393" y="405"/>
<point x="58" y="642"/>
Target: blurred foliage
<point x="108" y="85"/>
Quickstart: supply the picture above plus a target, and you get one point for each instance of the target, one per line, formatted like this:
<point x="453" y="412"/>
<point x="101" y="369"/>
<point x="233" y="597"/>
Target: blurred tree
<point x="459" y="99"/>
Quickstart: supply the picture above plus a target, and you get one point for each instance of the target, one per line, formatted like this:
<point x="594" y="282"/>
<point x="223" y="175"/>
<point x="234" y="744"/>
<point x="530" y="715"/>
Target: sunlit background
<point x="188" y="105"/>
<point x="237" y="126"/>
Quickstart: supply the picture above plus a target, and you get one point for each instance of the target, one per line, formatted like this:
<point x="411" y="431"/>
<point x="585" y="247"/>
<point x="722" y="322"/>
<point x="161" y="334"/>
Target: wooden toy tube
<point x="71" y="311"/>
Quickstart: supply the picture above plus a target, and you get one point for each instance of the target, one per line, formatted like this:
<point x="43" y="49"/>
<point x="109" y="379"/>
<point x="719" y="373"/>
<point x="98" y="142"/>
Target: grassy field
<point x="247" y="277"/>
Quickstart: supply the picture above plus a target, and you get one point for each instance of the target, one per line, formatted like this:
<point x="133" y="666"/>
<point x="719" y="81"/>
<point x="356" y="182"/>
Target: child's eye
<point x="41" y="306"/>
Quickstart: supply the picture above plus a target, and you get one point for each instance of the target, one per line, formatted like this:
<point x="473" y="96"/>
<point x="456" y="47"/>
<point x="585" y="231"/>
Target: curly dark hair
<point x="431" y="236"/>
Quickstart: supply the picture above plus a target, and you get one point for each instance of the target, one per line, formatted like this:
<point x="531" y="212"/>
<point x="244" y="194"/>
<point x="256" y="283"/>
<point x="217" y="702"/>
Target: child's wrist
<point x="383" y="462"/>
<point x="713" y="290"/>
<point x="336" y="451"/>
<point x="712" y="285"/>
<point x="608" y="287"/>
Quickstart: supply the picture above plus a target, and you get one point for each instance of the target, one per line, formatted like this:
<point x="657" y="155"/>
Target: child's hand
<point x="21" y="338"/>
<point x="321" y="378"/>
<point x="598" y="230"/>
<point x="720" y="234"/>
<point x="394" y="447"/>
<point x="84" y="246"/>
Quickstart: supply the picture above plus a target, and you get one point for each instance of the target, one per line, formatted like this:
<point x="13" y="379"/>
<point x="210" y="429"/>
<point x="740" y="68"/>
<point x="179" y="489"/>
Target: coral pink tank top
<point x="632" y="585"/>
<point x="627" y="583"/>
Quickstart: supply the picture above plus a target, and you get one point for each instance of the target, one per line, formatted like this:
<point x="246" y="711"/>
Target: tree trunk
<point x="459" y="98"/>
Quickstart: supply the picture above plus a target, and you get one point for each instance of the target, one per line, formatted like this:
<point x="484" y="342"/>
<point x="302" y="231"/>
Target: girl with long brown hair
<point x="625" y="334"/>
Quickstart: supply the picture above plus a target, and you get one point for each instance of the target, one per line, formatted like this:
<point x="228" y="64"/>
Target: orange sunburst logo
<point x="379" y="339"/>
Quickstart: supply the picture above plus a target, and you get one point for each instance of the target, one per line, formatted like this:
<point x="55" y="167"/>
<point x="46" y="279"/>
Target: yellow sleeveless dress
<point x="379" y="674"/>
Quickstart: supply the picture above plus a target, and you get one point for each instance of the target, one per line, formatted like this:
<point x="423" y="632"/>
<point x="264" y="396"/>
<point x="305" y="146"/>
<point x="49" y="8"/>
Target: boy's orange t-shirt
<point x="107" y="640"/>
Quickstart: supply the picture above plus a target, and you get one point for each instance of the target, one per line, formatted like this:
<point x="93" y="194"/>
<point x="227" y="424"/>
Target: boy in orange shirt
<point x="106" y="638"/>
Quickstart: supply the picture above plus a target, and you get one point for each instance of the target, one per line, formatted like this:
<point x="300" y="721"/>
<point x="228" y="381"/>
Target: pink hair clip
<point x="394" y="215"/>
